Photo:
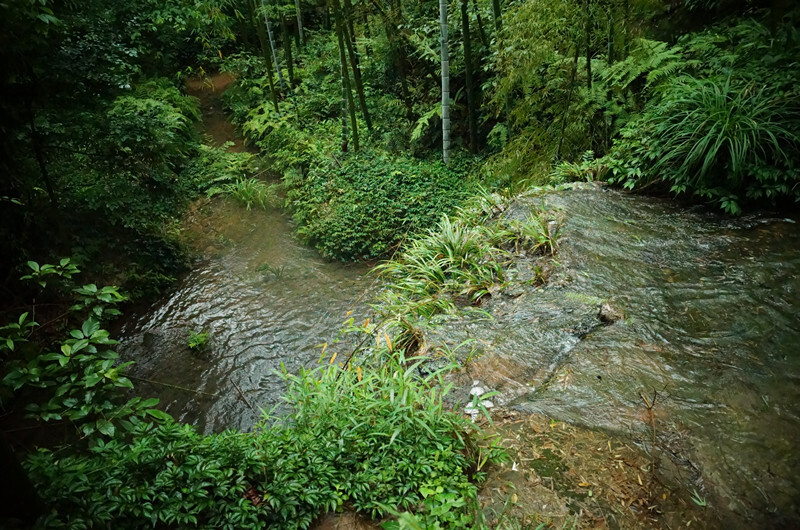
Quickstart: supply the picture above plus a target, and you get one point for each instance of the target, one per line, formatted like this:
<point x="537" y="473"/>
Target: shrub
<point x="365" y="205"/>
<point x="379" y="440"/>
<point x="727" y="138"/>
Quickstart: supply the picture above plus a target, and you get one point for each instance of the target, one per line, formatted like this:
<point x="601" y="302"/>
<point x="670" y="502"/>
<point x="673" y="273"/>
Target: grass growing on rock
<point x="458" y="263"/>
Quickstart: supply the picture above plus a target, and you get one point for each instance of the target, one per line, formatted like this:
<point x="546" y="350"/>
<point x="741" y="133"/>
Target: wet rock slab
<point x="674" y="329"/>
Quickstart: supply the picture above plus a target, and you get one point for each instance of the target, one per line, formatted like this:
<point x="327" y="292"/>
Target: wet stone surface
<point x="672" y="329"/>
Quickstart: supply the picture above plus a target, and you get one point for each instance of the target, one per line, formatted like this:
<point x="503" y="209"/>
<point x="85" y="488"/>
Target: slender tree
<point x="272" y="47"/>
<point x="352" y="52"/>
<point x="572" y="82"/>
<point x="262" y="39"/>
<point x="299" y="15"/>
<point x="498" y="20"/>
<point x="481" y="31"/>
<point x="445" y="82"/>
<point x="287" y="47"/>
<point x="610" y="52"/>
<point x="589" y="44"/>
<point x="471" y="112"/>
<point x="347" y="93"/>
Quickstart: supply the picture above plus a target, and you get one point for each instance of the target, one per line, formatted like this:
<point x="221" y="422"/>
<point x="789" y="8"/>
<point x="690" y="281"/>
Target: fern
<point x="655" y="61"/>
<point x="424" y="121"/>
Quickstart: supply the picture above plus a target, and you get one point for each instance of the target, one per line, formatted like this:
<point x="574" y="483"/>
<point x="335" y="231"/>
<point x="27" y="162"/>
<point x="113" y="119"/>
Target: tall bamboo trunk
<point x="299" y="15"/>
<point x="471" y="115"/>
<point x="359" y="82"/>
<point x="287" y="50"/>
<point x="481" y="31"/>
<point x="572" y="82"/>
<point x="498" y="20"/>
<point x="349" y="20"/>
<point x="281" y="82"/>
<point x="262" y="39"/>
<point x="445" y="82"/>
<point x="588" y="44"/>
<point x="347" y="94"/>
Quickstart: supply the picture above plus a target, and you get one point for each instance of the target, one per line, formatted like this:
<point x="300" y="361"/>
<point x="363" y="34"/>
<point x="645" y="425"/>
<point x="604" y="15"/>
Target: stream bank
<point x="663" y="343"/>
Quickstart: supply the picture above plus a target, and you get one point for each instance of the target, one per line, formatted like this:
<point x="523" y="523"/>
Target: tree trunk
<point x="626" y="14"/>
<point x="445" y="82"/>
<point x="473" y="130"/>
<point x="38" y="152"/>
<point x="498" y="20"/>
<point x="354" y="63"/>
<point x="481" y="31"/>
<point x="287" y="50"/>
<point x="272" y="47"/>
<point x="299" y="15"/>
<point x="348" y="18"/>
<point x="610" y="52"/>
<point x="367" y="36"/>
<point x="347" y="93"/>
<point x="572" y="82"/>
<point x="588" y="44"/>
<point x="262" y="39"/>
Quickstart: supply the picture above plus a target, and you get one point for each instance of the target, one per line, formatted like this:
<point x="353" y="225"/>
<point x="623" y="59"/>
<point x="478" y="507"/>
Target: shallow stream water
<point x="696" y="357"/>
<point x="263" y="299"/>
<point x="701" y="362"/>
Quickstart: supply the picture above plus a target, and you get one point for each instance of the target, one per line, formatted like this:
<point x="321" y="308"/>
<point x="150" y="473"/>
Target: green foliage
<point x="198" y="340"/>
<point x="80" y="378"/>
<point x="251" y="191"/>
<point x="727" y="137"/>
<point x="363" y="206"/>
<point x="65" y="269"/>
<point x="374" y="436"/>
<point x="214" y="167"/>
<point x="376" y="439"/>
<point x="649" y="62"/>
<point x="459" y="261"/>
<point x="150" y="132"/>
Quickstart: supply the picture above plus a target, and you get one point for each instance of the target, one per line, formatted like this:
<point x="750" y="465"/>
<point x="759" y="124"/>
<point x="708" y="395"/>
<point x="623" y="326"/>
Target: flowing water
<point x="674" y="328"/>
<point x="263" y="299"/>
<point x="696" y="355"/>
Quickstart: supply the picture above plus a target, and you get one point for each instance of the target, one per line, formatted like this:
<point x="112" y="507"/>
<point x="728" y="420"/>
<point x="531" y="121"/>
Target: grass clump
<point x="459" y="262"/>
<point x="250" y="192"/>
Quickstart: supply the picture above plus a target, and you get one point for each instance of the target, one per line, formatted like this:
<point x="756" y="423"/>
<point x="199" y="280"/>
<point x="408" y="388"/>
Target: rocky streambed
<point x="673" y="333"/>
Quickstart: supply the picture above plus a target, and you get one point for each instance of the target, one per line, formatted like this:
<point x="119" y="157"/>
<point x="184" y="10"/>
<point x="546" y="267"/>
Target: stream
<point x="699" y="361"/>
<point x="695" y="356"/>
<point x="264" y="300"/>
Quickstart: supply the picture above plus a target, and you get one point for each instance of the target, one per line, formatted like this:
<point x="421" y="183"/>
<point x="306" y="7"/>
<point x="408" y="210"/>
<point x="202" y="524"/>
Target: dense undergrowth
<point x="724" y="125"/>
<point x="371" y="435"/>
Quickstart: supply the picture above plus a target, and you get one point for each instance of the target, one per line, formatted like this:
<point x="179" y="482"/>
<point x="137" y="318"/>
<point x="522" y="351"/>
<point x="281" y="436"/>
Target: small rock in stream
<point x="608" y="314"/>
